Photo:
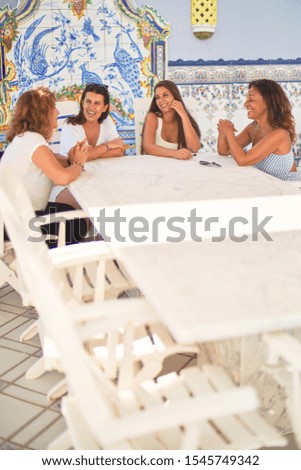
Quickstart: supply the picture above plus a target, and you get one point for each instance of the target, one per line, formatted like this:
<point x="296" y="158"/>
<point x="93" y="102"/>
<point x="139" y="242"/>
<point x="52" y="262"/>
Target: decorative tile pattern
<point x="65" y="45"/>
<point x="221" y="92"/>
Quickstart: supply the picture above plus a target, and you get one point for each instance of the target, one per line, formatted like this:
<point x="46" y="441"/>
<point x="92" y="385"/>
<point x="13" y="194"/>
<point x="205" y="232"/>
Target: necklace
<point x="263" y="132"/>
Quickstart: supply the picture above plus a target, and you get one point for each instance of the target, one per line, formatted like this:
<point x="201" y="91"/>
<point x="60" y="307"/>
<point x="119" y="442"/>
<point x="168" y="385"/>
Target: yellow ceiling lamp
<point x="203" y="18"/>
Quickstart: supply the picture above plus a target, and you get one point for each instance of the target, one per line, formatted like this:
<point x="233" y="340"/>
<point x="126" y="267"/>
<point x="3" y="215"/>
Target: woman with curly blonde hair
<point x="33" y="121"/>
<point x="271" y="132"/>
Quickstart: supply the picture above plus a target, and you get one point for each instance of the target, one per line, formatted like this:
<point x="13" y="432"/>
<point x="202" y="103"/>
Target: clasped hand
<point x="79" y="153"/>
<point x="224" y="127"/>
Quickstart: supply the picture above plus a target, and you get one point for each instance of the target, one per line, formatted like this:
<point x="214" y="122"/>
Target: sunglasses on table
<point x="203" y="162"/>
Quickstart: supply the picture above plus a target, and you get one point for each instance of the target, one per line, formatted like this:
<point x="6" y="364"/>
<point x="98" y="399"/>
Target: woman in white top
<point x="169" y="129"/>
<point x="34" y="119"/>
<point x="94" y="124"/>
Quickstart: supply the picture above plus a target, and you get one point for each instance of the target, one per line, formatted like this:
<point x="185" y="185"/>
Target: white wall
<point x="247" y="29"/>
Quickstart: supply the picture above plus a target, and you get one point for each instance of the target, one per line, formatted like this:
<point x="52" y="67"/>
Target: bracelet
<point x="108" y="148"/>
<point x="79" y="163"/>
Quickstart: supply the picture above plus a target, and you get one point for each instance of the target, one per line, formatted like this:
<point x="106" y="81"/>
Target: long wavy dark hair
<point x="94" y="88"/>
<point x="174" y="90"/>
<point x="278" y="106"/>
<point x="32" y="113"/>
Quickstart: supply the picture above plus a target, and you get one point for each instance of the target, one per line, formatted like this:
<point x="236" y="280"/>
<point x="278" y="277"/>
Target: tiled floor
<point x="27" y="419"/>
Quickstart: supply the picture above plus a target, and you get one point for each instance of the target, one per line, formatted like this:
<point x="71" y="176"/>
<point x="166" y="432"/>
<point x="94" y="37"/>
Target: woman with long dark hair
<point x="93" y="124"/>
<point x="169" y="129"/>
<point x="271" y="133"/>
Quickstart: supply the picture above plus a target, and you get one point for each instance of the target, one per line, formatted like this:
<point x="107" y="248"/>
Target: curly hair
<point x="174" y="90"/>
<point x="32" y="113"/>
<point x="278" y="106"/>
<point x="99" y="90"/>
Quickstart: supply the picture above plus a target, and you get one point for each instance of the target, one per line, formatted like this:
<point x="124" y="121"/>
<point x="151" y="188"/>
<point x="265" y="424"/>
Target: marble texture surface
<point x="221" y="295"/>
<point x="148" y="179"/>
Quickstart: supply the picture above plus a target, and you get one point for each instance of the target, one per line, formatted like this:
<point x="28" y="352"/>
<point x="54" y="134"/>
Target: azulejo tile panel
<point x="64" y="44"/>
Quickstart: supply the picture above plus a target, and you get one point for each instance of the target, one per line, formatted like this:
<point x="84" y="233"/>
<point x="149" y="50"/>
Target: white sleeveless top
<point x="160" y="141"/>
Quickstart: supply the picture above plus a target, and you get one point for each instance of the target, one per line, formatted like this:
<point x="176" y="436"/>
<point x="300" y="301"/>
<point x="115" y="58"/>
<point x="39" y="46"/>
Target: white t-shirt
<point x="71" y="134"/>
<point x="19" y="155"/>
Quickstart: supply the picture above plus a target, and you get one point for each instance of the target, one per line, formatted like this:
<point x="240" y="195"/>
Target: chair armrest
<point x="60" y="217"/>
<point x="72" y="255"/>
<point x="109" y="315"/>
<point x="182" y="412"/>
<point x="286" y="346"/>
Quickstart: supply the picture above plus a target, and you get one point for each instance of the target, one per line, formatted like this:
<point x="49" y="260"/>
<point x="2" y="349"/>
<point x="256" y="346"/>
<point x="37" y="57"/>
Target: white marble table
<point x="207" y="292"/>
<point x="148" y="179"/>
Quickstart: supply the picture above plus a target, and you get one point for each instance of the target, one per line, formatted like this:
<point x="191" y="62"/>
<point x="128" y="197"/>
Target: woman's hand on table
<point x="115" y="144"/>
<point x="182" y="154"/>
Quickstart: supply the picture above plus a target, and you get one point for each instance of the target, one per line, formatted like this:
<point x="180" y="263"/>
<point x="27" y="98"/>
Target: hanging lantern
<point x="203" y="18"/>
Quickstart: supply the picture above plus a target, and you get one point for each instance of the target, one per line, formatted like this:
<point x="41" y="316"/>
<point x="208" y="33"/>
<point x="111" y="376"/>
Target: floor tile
<point x="9" y="446"/>
<point x="15" y="333"/>
<point x="6" y="317"/>
<point x="4" y="290"/>
<point x="42" y="384"/>
<point x="27" y="395"/>
<point x="17" y="346"/>
<point x="14" y="415"/>
<point x="9" y="359"/>
<point x="19" y="370"/>
<point x="38" y="426"/>
<point x="15" y="323"/>
<point x="13" y="298"/>
<point x="52" y="432"/>
<point x="12" y="308"/>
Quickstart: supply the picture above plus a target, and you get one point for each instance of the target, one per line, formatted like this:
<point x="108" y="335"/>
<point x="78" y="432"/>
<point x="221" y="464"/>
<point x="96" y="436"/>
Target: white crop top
<point x="160" y="141"/>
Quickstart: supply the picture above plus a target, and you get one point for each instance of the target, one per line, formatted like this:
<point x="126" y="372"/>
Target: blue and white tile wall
<point x="64" y="44"/>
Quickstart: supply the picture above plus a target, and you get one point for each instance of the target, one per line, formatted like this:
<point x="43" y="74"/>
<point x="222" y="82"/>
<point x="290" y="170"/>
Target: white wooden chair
<point x="66" y="109"/>
<point x="284" y="365"/>
<point x="86" y="272"/>
<point x="141" y="107"/>
<point x="7" y="261"/>
<point x="7" y="258"/>
<point x="195" y="409"/>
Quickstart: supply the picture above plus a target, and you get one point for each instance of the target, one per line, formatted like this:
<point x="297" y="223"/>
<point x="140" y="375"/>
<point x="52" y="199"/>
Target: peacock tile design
<point x="65" y="44"/>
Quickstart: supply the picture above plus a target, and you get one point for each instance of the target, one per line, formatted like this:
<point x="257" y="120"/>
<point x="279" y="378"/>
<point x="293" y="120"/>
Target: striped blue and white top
<point x="279" y="166"/>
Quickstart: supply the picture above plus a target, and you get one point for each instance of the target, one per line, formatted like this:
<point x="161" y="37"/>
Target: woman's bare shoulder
<point x="151" y="119"/>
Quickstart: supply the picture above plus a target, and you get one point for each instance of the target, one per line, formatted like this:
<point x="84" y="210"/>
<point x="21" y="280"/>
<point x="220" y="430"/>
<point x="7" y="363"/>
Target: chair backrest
<point x="141" y="107"/>
<point x="7" y="261"/>
<point x="66" y="109"/>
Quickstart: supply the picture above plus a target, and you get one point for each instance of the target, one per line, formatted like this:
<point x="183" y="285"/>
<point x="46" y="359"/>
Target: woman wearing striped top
<point x="271" y="132"/>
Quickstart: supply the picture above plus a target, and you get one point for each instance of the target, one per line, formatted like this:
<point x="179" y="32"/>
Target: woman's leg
<point x="76" y="229"/>
<point x="65" y="197"/>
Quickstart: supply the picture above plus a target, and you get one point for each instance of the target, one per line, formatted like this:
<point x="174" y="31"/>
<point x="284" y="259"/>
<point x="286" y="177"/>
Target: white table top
<point x="148" y="179"/>
<point x="205" y="291"/>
